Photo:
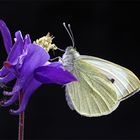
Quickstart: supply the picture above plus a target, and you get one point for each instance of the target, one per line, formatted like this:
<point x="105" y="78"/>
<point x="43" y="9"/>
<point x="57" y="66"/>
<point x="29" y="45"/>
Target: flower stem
<point x="21" y="121"/>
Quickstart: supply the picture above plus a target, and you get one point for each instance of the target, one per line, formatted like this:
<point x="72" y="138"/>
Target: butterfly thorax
<point x="69" y="57"/>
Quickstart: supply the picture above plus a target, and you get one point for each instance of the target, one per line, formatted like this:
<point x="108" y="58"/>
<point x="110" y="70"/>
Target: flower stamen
<point x="46" y="42"/>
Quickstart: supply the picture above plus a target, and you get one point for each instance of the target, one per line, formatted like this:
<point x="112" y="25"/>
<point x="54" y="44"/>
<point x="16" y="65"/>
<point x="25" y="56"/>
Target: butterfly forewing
<point x="94" y="94"/>
<point x="125" y="81"/>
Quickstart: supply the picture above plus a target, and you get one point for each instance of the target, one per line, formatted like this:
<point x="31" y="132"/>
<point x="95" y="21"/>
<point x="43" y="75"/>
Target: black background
<point x="110" y="30"/>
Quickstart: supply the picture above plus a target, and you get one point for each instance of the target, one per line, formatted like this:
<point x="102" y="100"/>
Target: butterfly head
<point x="70" y="50"/>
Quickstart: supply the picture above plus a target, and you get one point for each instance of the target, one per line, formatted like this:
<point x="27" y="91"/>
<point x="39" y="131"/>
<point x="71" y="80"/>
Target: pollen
<point x="46" y="42"/>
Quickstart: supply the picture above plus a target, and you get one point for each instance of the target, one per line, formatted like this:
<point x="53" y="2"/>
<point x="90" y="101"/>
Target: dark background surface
<point x="110" y="30"/>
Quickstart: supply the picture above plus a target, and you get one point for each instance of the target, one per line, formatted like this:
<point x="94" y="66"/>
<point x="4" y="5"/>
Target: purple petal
<point x="7" y="93"/>
<point x="36" y="56"/>
<point x="55" y="64"/>
<point x="17" y="54"/>
<point x="7" y="78"/>
<point x="20" y="82"/>
<point x="3" y="71"/>
<point x="28" y="90"/>
<point x="8" y="64"/>
<point x="17" y="87"/>
<point x="11" y="100"/>
<point x="12" y="68"/>
<point x="17" y="48"/>
<point x="54" y="73"/>
<point x="27" y="40"/>
<point x="6" y="36"/>
<point x="3" y="86"/>
<point x="18" y="35"/>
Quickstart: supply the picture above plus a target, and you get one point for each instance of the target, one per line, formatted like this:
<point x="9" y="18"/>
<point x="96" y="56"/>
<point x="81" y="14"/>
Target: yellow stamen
<point x="46" y="42"/>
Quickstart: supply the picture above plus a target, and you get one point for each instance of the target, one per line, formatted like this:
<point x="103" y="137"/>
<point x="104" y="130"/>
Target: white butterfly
<point x="101" y="85"/>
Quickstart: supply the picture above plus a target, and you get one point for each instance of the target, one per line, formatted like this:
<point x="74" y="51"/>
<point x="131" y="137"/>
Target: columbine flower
<point x="23" y="59"/>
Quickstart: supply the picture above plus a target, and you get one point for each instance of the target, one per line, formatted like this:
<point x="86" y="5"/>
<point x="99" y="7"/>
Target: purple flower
<point x="23" y="61"/>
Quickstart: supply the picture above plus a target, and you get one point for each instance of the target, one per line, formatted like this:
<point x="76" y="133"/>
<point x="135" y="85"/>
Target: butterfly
<point x="101" y="84"/>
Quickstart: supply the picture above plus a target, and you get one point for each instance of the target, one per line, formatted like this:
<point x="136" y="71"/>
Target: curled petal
<point x="7" y="93"/>
<point x="11" y="100"/>
<point x="17" y="87"/>
<point x="6" y="36"/>
<point x="53" y="73"/>
<point x="29" y="88"/>
<point x="3" y="86"/>
<point x="3" y="71"/>
<point x="7" y="78"/>
<point x="15" y="92"/>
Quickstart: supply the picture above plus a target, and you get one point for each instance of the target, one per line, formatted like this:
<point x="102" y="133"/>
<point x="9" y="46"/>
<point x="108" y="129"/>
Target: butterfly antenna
<point x="73" y="41"/>
<point x="69" y="31"/>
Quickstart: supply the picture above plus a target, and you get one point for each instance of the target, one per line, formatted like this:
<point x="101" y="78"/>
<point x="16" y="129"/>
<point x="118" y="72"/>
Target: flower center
<point x="46" y="42"/>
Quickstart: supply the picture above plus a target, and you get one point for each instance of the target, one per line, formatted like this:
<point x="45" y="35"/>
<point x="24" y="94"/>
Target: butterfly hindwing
<point x="94" y="94"/>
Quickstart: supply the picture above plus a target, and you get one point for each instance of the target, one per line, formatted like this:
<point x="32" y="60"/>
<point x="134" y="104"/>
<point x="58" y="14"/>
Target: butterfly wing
<point x="125" y="81"/>
<point x="94" y="94"/>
